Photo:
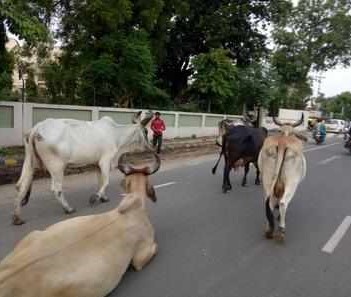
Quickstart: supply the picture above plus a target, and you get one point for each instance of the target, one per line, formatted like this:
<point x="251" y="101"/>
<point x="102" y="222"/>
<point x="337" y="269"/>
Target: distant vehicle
<point x="335" y="126"/>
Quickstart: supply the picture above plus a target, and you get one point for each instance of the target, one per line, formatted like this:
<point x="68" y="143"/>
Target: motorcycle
<point x="318" y="137"/>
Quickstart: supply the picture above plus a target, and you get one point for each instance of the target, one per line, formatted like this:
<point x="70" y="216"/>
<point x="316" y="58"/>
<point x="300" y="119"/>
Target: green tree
<point x="340" y="105"/>
<point x="215" y="80"/>
<point x="26" y="19"/>
<point x="32" y="92"/>
<point x="315" y="36"/>
<point x="107" y="45"/>
<point x="204" y="24"/>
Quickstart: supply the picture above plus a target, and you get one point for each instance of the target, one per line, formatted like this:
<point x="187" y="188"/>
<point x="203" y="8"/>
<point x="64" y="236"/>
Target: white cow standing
<point x="56" y="143"/>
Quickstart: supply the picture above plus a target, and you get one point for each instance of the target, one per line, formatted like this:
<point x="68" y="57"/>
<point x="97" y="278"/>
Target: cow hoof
<point x="104" y="199"/>
<point x="280" y="236"/>
<point x="70" y="211"/>
<point x="93" y="199"/>
<point x="268" y="234"/>
<point x="17" y="221"/>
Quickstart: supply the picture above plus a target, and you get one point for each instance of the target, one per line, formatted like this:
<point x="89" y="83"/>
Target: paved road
<point x="211" y="244"/>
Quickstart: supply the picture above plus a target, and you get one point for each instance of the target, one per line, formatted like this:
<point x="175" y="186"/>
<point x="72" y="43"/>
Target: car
<point x="335" y="126"/>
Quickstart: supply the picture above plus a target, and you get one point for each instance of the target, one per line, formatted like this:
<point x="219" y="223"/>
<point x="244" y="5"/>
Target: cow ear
<point x="146" y="119"/>
<point x="151" y="193"/>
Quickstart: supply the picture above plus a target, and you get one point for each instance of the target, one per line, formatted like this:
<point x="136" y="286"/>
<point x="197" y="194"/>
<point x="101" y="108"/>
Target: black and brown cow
<point x="241" y="146"/>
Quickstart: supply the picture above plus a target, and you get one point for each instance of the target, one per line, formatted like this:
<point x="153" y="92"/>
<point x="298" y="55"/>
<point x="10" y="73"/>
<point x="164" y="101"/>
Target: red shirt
<point x="158" y="126"/>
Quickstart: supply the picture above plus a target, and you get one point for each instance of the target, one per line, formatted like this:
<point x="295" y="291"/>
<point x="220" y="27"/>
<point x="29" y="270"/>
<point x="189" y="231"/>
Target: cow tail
<point x="24" y="184"/>
<point x="279" y="185"/>
<point x="214" y="169"/>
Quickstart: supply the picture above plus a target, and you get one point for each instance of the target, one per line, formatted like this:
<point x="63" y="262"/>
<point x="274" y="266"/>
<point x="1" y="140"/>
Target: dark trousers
<point x="157" y="141"/>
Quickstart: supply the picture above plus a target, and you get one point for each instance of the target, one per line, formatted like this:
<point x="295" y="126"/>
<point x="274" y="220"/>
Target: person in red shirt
<point x="157" y="127"/>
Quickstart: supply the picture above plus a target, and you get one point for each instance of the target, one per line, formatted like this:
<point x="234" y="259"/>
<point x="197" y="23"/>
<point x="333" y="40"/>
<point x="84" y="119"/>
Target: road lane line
<point x="337" y="236"/>
<point x="328" y="160"/>
<point x="320" y="147"/>
<point x="158" y="186"/>
<point x="164" y="185"/>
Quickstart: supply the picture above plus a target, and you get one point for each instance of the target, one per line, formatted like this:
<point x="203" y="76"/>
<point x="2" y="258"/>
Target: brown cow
<point x="85" y="256"/>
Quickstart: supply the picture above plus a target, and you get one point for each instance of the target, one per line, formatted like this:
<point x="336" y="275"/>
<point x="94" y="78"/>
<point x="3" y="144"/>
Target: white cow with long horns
<point x="54" y="144"/>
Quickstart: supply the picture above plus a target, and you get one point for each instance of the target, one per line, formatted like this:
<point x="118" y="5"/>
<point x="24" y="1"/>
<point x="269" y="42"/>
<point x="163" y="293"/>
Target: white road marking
<point x="320" y="147"/>
<point x="337" y="236"/>
<point x="158" y="186"/>
<point x="328" y="160"/>
<point x="164" y="185"/>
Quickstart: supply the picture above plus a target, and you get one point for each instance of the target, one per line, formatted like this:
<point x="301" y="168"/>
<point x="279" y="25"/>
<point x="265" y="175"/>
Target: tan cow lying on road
<point x="85" y="256"/>
<point x="283" y="166"/>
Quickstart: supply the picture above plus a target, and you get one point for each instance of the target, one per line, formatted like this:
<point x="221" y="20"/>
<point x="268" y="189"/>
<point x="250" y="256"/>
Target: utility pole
<point x="318" y="79"/>
<point x="319" y="82"/>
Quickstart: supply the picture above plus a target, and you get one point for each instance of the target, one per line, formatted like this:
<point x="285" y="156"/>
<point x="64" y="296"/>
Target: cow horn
<point x="155" y="166"/>
<point x="127" y="169"/>
<point x="299" y="122"/>
<point x="136" y="117"/>
<point x="277" y="122"/>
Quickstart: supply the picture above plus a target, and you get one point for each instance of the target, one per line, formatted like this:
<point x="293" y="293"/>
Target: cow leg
<point x="270" y="219"/>
<point x="143" y="255"/>
<point x="101" y="179"/>
<point x="104" y="177"/>
<point x="247" y="168"/>
<point x="226" y="181"/>
<point x="257" y="180"/>
<point x="281" y="230"/>
<point x="56" y="170"/>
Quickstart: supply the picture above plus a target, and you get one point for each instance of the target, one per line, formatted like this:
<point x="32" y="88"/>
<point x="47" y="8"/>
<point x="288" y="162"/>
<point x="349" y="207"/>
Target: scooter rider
<point x="320" y="130"/>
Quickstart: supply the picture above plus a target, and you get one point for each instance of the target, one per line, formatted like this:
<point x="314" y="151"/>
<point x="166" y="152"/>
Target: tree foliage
<point x="203" y="54"/>
<point x="215" y="80"/>
<point x="316" y="36"/>
<point x="339" y="105"/>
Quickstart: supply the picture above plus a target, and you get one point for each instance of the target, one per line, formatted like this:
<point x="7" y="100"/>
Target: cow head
<point x="137" y="137"/>
<point x="288" y="128"/>
<point x="136" y="179"/>
<point x="250" y="121"/>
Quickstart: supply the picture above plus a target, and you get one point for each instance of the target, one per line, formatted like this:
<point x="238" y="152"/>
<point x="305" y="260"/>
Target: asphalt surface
<point x="212" y="244"/>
